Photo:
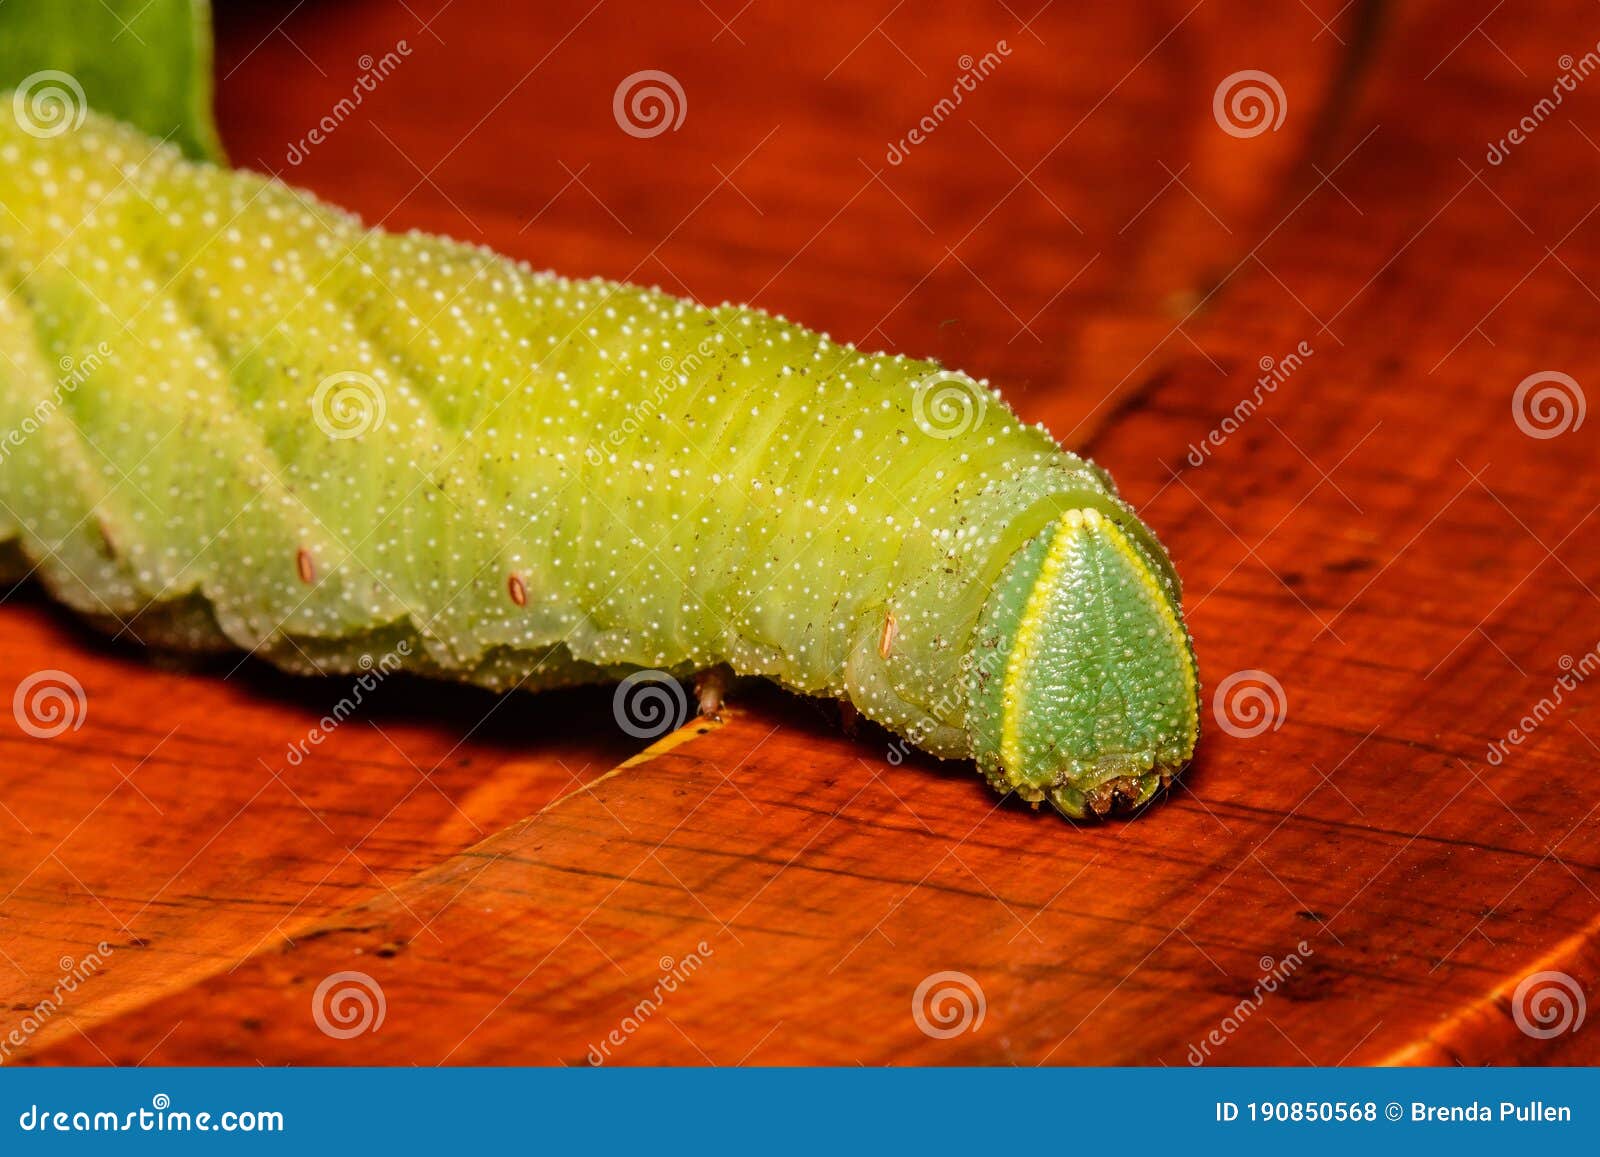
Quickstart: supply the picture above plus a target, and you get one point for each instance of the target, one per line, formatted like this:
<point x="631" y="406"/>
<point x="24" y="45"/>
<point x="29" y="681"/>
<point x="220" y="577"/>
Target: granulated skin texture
<point x="238" y="418"/>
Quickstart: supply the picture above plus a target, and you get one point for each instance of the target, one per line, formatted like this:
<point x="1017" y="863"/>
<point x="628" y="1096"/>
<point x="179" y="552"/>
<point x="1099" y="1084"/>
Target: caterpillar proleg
<point x="293" y="434"/>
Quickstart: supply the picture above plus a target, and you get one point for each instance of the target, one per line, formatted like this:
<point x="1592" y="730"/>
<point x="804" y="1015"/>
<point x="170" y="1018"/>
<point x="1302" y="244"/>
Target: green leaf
<point x="147" y="62"/>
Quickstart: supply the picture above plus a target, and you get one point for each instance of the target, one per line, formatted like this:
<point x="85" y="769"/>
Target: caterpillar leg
<point x="711" y="688"/>
<point x="14" y="565"/>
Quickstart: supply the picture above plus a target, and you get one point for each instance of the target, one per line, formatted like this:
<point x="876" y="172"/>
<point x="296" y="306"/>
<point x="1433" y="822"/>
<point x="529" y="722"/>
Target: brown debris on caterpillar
<point x="103" y="526"/>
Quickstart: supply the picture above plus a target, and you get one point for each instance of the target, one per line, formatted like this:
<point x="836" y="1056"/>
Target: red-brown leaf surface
<point x="1380" y="540"/>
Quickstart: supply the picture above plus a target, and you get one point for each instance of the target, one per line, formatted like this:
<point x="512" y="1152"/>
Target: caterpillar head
<point x="1083" y="688"/>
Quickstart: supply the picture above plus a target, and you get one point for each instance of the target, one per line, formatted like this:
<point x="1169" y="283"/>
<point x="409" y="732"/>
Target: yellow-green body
<point x="230" y="415"/>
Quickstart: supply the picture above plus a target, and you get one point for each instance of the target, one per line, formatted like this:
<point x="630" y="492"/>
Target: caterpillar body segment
<point x="237" y="417"/>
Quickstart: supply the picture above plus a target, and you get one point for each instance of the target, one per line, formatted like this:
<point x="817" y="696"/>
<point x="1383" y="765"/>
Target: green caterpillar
<point x="234" y="417"/>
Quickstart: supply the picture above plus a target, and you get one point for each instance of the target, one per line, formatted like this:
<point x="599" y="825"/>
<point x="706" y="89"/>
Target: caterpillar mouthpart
<point x="1084" y="689"/>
